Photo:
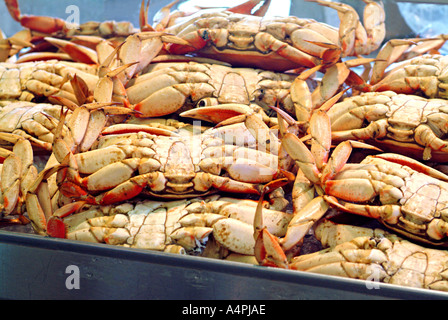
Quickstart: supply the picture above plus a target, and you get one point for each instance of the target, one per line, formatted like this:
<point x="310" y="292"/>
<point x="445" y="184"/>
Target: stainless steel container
<point x="35" y="267"/>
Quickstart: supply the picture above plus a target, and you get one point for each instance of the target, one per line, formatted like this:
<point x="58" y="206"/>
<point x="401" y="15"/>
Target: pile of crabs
<point x="225" y="134"/>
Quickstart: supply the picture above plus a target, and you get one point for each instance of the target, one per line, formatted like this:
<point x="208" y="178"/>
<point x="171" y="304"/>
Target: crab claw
<point x="301" y="154"/>
<point x="10" y="46"/>
<point x="239" y="239"/>
<point x="268" y="250"/>
<point x="189" y="236"/>
<point x="248" y="6"/>
<point x="303" y="221"/>
<point x="77" y="52"/>
<point x="55" y="226"/>
<point x="219" y="113"/>
<point x="37" y="200"/>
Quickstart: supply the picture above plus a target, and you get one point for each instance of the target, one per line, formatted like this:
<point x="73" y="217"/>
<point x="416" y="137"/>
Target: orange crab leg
<point x="77" y="52"/>
<point x="337" y="160"/>
<point x="143" y="17"/>
<point x="388" y="213"/>
<point x="414" y="164"/>
<point x="42" y="24"/>
<point x="246" y="7"/>
<point x="132" y="187"/>
<point x="13" y="8"/>
<point x="359" y="190"/>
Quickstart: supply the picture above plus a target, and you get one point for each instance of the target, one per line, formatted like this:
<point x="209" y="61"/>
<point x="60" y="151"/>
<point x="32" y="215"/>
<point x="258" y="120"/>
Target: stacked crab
<point x="103" y="103"/>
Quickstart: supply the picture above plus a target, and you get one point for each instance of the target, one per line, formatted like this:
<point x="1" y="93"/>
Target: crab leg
<point x="350" y="259"/>
<point x="131" y="188"/>
<point x="10" y="182"/>
<point x="163" y="17"/>
<point x="86" y="122"/>
<point x="387" y="213"/>
<point x="10" y="46"/>
<point x="37" y="23"/>
<point x="401" y="49"/>
<point x="209" y="214"/>
<point x="388" y="54"/>
<point x="306" y="209"/>
<point x="303" y="191"/>
<point x="414" y="164"/>
<point x="246" y="7"/>
<point x="326" y="94"/>
<point x="301" y="95"/>
<point x="374" y="22"/>
<point x="140" y="49"/>
<point x="376" y="130"/>
<point x="391" y="215"/>
<point x="245" y="168"/>
<point x="354" y="38"/>
<point x="311" y="162"/>
<point x="18" y="172"/>
<point x="76" y="52"/>
<point x="314" y="169"/>
<point x="426" y="137"/>
<point x="204" y="181"/>
<point x="103" y="229"/>
<point x="23" y="149"/>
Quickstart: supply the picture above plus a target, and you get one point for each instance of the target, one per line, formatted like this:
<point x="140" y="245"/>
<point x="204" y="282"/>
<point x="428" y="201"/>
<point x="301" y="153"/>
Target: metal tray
<point x="36" y="267"/>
